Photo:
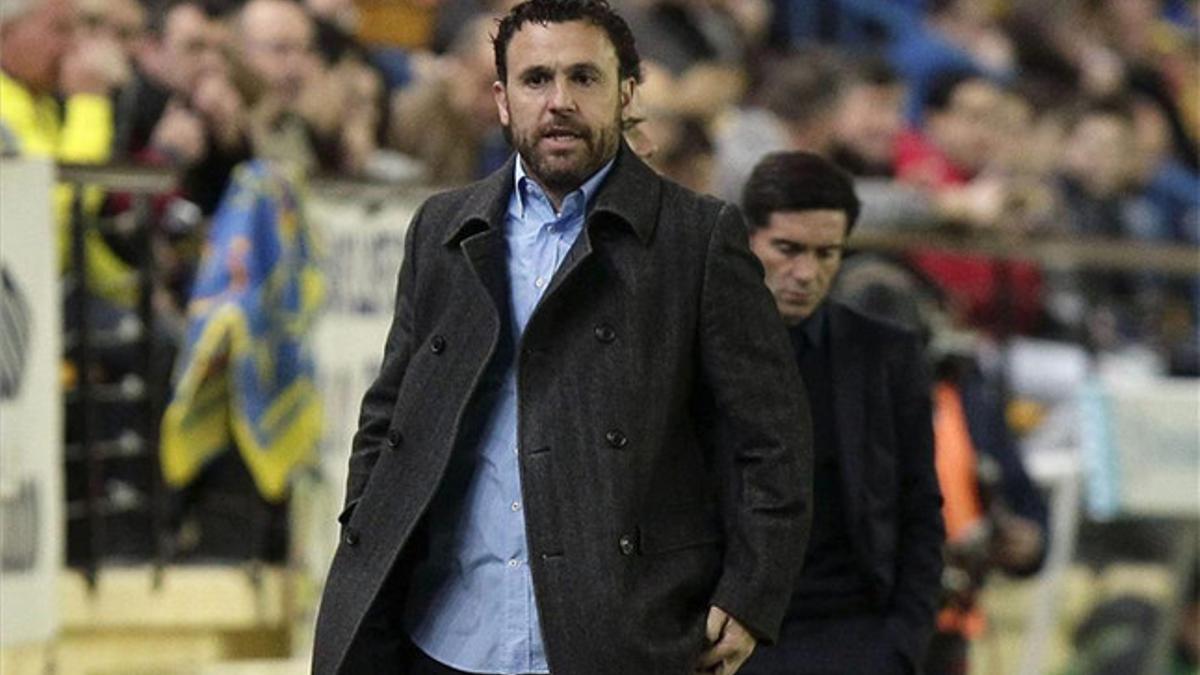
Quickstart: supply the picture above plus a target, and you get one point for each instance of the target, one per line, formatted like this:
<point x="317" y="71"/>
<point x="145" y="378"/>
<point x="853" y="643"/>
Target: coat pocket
<point x="678" y="530"/>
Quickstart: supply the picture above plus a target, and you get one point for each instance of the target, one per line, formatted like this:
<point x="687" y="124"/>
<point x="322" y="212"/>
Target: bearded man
<point x="587" y="450"/>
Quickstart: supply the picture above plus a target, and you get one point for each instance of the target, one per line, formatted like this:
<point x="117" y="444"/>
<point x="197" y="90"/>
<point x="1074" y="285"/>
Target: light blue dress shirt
<point x="471" y="603"/>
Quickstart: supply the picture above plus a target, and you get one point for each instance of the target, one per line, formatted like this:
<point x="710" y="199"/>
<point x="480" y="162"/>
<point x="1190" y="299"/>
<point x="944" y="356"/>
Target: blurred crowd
<point x="1006" y="120"/>
<point x="1012" y="116"/>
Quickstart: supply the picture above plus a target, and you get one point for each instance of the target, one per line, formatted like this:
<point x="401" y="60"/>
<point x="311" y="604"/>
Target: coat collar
<point x="631" y="193"/>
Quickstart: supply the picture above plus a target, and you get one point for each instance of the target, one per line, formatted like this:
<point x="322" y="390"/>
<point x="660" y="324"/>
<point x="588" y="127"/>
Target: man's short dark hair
<point x="596" y="12"/>
<point x="941" y="88"/>
<point x="803" y="86"/>
<point x="798" y="181"/>
<point x="874" y="71"/>
<point x="156" y="25"/>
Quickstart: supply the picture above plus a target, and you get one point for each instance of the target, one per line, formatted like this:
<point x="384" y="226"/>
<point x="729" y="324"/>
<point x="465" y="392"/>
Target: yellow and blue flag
<point x="245" y="378"/>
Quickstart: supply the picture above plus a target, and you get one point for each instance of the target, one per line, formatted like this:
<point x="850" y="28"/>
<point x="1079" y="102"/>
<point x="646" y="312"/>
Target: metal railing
<point x="103" y="498"/>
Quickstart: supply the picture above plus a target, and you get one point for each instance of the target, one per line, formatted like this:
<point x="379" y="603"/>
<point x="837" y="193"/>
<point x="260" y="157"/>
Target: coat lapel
<point x="485" y="255"/>
<point x="479" y="231"/>
<point x="628" y="198"/>
<point x="849" y="389"/>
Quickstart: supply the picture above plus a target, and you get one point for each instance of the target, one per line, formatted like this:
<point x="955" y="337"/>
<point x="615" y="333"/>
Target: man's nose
<point x="560" y="97"/>
<point x="804" y="267"/>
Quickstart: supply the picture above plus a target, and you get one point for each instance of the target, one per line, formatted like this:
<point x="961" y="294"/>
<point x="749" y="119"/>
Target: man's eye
<point x="584" y="78"/>
<point x="536" y="80"/>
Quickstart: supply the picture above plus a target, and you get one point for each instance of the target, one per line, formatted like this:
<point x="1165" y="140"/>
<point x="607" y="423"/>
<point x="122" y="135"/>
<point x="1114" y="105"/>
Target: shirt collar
<point x="578" y="199"/>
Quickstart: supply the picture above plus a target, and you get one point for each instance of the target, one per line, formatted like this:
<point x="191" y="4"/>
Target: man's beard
<point x="551" y="173"/>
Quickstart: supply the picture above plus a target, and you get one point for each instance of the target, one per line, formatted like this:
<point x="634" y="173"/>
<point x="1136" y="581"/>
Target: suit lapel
<point x="629" y="198"/>
<point x="849" y="407"/>
<point x="479" y="231"/>
<point x="580" y="251"/>
<point x="485" y="254"/>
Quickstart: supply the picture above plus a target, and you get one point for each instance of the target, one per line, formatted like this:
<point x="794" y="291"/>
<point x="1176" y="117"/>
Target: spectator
<point x="951" y="160"/>
<point x="184" y="111"/>
<point x="452" y="15"/>
<point x="921" y="39"/>
<point x="365" y="84"/>
<point x="796" y="112"/>
<point x="334" y="22"/>
<point x="958" y="136"/>
<point x="683" y="150"/>
<point x="1097" y="170"/>
<point x="274" y="45"/>
<point x="697" y="52"/>
<point x="123" y="21"/>
<point x="680" y="34"/>
<point x="1109" y="191"/>
<point x="447" y="119"/>
<point x="869" y="119"/>
<point x="359" y="130"/>
<point x="303" y="113"/>
<point x="40" y="57"/>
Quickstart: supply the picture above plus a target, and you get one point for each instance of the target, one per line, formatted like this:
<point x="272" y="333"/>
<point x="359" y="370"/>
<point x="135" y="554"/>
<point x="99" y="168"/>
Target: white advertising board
<point x="362" y="246"/>
<point x="31" y="443"/>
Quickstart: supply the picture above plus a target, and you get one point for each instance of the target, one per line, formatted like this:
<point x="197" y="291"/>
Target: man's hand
<point x="95" y="66"/>
<point x="220" y="104"/>
<point x="730" y="644"/>
<point x="1017" y="542"/>
<point x="180" y="135"/>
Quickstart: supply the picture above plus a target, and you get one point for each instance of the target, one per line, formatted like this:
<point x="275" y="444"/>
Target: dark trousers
<point x="948" y="654"/>
<point x="829" y="646"/>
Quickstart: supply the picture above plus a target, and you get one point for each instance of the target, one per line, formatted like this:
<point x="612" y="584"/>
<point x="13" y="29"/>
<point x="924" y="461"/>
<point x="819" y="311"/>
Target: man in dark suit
<point x="865" y="596"/>
<point x="587" y="450"/>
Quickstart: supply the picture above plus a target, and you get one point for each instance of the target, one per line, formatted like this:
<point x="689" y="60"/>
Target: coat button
<point x="625" y="543"/>
<point x="350" y="537"/>
<point x="616" y="439"/>
<point x="605" y="333"/>
<point x="438" y="344"/>
<point x="394" y="438"/>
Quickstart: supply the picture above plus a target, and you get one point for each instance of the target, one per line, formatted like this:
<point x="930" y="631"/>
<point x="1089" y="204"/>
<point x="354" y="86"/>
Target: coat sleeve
<point x="761" y="433"/>
<point x="910" y="620"/>
<point x="375" y="415"/>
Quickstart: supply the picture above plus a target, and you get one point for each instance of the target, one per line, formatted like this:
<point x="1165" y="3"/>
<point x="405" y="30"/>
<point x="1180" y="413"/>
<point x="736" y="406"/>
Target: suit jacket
<point x="881" y="391"/>
<point x="665" y="447"/>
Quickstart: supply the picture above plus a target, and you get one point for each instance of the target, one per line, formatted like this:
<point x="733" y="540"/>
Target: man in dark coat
<point x="865" y="597"/>
<point x="587" y="450"/>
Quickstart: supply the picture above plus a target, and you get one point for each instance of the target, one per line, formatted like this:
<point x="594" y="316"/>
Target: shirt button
<point x="625" y="543"/>
<point x="393" y="438"/>
<point x="539" y="282"/>
<point x="514" y="562"/>
<point x="350" y="537"/>
<point x="438" y="344"/>
<point x="616" y="439"/>
<point x="516" y="506"/>
<point x="605" y="333"/>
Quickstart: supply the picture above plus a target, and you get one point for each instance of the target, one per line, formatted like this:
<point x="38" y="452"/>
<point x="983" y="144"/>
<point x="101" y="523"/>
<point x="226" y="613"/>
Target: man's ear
<point x="626" y="93"/>
<point x="500" y="94"/>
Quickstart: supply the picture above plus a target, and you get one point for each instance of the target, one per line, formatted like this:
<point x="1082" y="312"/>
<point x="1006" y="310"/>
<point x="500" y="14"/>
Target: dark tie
<point x="800" y="343"/>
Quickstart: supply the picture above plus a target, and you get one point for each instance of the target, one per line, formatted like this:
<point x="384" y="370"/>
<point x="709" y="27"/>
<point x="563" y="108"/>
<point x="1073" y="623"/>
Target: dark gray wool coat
<point x="665" y="448"/>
